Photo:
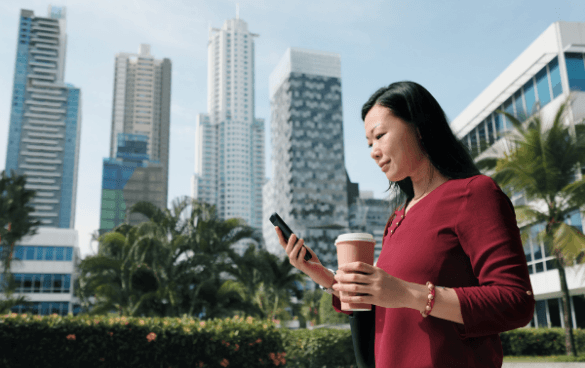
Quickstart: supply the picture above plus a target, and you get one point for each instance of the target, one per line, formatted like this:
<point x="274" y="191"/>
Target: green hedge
<point x="540" y="341"/>
<point x="54" y="341"/>
<point x="319" y="348"/>
<point x="104" y="341"/>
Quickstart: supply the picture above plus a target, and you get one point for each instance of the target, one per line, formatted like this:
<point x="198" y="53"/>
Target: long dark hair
<point x="415" y="105"/>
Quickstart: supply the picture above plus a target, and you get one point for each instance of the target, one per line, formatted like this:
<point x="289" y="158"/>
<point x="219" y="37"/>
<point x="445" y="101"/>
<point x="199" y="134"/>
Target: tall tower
<point x="137" y="169"/>
<point x="45" y="120"/>
<point x="229" y="155"/>
<point x="309" y="185"/>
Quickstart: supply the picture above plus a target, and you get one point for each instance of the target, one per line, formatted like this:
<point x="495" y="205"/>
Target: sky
<point x="455" y="49"/>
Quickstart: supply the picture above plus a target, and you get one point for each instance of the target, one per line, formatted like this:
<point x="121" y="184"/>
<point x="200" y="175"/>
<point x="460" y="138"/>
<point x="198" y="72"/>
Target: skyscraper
<point x="229" y="156"/>
<point x="43" y="144"/>
<point x="309" y="185"/>
<point x="137" y="169"/>
<point x="45" y="120"/>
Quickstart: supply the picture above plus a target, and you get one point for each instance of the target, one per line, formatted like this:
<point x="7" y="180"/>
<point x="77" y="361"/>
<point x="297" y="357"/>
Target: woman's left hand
<point x="377" y="287"/>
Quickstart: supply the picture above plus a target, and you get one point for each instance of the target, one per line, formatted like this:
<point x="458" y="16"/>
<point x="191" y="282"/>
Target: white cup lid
<point x="364" y="237"/>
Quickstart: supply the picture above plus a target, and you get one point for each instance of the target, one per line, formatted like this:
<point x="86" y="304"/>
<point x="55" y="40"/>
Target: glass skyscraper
<point x="229" y="156"/>
<point x="137" y="169"/>
<point x="45" y="120"/>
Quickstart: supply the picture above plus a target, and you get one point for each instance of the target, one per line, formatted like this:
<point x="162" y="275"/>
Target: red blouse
<point x="462" y="235"/>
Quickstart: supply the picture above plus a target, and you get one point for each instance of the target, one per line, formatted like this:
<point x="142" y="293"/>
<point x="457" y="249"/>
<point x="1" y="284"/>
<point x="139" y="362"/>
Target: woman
<point x="456" y="230"/>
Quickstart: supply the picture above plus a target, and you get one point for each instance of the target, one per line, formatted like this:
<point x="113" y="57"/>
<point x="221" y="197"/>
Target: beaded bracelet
<point x="431" y="300"/>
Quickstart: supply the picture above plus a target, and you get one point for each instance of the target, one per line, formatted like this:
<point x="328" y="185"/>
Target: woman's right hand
<point x="296" y="253"/>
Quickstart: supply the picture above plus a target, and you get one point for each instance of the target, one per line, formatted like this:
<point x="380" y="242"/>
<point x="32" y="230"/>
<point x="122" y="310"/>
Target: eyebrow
<point x="371" y="130"/>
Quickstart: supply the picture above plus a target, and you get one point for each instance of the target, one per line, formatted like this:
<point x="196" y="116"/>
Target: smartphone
<point x="286" y="231"/>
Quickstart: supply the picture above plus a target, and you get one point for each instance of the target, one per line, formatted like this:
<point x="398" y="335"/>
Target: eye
<point x="379" y="135"/>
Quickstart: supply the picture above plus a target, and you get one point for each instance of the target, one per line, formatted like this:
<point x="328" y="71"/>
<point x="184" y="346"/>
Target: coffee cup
<point x="355" y="247"/>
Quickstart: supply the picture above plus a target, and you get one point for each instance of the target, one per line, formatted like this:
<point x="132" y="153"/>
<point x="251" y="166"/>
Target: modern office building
<point x="45" y="118"/>
<point x="138" y="166"/>
<point x="130" y="178"/>
<point x="540" y="79"/>
<point x="369" y="215"/>
<point x="45" y="269"/>
<point x="229" y="154"/>
<point x="309" y="184"/>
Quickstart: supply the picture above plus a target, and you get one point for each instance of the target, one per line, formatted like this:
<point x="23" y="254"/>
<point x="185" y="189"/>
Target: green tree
<point x="543" y="160"/>
<point x="328" y="314"/>
<point x="15" y="223"/>
<point x="175" y="263"/>
<point x="111" y="280"/>
<point x="311" y="306"/>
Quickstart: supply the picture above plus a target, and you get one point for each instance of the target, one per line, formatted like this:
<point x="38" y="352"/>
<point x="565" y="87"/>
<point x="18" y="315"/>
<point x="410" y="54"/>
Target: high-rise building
<point x="43" y="144"/>
<point x="45" y="120"/>
<point x="309" y="184"/>
<point x="537" y="81"/>
<point x="137" y="169"/>
<point x="229" y="155"/>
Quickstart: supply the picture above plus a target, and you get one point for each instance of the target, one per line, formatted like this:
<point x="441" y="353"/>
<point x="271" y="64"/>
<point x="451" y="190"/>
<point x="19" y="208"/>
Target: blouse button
<point x="529" y="292"/>
<point x="401" y="216"/>
<point x="391" y="231"/>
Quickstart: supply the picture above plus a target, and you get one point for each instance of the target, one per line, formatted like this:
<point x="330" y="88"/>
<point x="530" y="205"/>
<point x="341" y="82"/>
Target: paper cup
<point x="355" y="247"/>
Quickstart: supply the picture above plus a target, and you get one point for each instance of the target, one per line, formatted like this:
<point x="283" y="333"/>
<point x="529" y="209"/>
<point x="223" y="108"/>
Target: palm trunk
<point x="570" y="347"/>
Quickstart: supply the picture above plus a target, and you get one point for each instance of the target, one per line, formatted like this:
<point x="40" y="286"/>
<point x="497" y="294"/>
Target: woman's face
<point x="394" y="144"/>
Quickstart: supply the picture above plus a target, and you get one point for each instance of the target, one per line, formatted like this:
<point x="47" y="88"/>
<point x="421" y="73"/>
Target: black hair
<point x="415" y="105"/>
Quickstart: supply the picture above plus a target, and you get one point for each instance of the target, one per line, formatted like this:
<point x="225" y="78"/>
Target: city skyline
<point x="455" y="50"/>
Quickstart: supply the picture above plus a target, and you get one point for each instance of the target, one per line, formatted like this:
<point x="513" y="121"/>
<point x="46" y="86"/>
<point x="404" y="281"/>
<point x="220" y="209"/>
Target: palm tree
<point x="249" y="270"/>
<point x="15" y="223"/>
<point x="281" y="281"/>
<point x="542" y="161"/>
<point x="111" y="275"/>
<point x="311" y="303"/>
<point x="188" y="252"/>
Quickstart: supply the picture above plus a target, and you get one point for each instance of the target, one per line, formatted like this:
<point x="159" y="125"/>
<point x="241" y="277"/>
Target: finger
<point x="351" y="288"/>
<point x="296" y="252"/>
<point x="358" y="278"/>
<point x="280" y="236"/>
<point x="291" y="244"/>
<point x="357" y="267"/>
<point x="368" y="299"/>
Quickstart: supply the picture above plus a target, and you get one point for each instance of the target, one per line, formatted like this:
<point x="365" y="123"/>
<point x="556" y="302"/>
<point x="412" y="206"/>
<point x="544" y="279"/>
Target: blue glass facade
<point x="18" y="93"/>
<point x="576" y="71"/>
<point x="42" y="253"/>
<point x="539" y="90"/>
<point x="45" y="308"/>
<point x="70" y="156"/>
<point x="43" y="137"/>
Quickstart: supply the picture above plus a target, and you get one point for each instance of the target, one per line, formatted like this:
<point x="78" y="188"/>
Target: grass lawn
<point x="536" y="359"/>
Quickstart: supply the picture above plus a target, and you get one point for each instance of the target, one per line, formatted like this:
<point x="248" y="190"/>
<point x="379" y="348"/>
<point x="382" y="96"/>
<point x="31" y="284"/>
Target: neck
<point x="428" y="179"/>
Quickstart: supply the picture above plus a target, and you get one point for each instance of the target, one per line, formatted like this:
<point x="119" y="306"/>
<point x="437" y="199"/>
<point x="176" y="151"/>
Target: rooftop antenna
<point x="237" y="11"/>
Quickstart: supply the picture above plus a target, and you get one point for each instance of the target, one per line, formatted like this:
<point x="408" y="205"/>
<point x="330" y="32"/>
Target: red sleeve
<point x="490" y="237"/>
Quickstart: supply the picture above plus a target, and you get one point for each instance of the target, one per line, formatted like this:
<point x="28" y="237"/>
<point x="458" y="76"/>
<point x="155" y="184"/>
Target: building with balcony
<point x="539" y="80"/>
<point x="229" y="143"/>
<point x="45" y="119"/>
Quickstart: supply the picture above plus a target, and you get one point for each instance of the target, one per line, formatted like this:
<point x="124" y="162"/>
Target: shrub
<point x="34" y="341"/>
<point x="319" y="348"/>
<point x="539" y="341"/>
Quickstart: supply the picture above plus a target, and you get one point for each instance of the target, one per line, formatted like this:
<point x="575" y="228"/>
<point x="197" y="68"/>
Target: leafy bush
<point x="34" y="341"/>
<point x="328" y="315"/>
<point x="539" y="341"/>
<point x="319" y="348"/>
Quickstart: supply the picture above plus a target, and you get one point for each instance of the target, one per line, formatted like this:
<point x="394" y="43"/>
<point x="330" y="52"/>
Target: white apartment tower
<point x="229" y="156"/>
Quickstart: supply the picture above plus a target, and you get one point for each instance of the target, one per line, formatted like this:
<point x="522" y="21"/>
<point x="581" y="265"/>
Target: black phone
<point x="286" y="231"/>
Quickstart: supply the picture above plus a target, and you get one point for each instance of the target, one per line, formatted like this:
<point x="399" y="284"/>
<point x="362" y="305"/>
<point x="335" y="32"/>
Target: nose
<point x="375" y="152"/>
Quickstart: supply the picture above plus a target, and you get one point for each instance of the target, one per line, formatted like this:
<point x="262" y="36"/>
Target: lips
<point x="384" y="164"/>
